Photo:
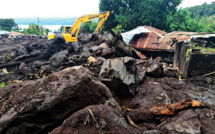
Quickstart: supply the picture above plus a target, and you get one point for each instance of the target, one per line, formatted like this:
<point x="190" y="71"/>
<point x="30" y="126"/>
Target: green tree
<point x="85" y="27"/>
<point x="93" y="26"/>
<point x="205" y="14"/>
<point x="204" y="10"/>
<point x="88" y="27"/>
<point x="133" y="13"/>
<point x="117" y="29"/>
<point x="7" y="24"/>
<point x="182" y="21"/>
<point x="35" y="29"/>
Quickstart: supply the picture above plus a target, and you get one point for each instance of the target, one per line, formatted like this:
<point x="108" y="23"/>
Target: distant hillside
<point x="205" y="10"/>
<point x="45" y="21"/>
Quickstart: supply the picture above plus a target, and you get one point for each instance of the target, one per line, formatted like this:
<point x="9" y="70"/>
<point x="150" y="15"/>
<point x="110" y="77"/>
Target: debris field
<point x="97" y="85"/>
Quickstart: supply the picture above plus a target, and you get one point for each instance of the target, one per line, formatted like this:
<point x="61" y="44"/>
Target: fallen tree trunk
<point x="140" y="115"/>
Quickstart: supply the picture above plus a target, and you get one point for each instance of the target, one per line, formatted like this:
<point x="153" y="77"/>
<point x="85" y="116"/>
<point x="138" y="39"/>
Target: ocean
<point x="50" y="27"/>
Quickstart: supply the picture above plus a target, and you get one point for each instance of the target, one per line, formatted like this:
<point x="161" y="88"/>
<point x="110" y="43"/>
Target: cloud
<point x="190" y="3"/>
<point x="47" y="8"/>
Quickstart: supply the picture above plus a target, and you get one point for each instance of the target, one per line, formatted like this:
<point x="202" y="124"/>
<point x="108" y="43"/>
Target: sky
<point x="62" y="8"/>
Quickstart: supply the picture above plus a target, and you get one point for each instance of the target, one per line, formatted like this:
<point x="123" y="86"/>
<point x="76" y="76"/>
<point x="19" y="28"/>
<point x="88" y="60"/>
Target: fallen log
<point x="139" y="115"/>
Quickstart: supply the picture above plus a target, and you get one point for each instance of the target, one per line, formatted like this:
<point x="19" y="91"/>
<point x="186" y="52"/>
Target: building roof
<point x="15" y="33"/>
<point x="182" y="36"/>
<point x="4" y="32"/>
<point x="148" y="40"/>
<point x="154" y="39"/>
<point x="158" y="32"/>
<point x="128" y="36"/>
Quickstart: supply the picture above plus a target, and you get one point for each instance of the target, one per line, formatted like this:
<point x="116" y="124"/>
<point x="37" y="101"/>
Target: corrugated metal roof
<point x="158" y="40"/>
<point x="142" y="56"/>
<point x="149" y="39"/>
<point x="200" y="36"/>
<point x="182" y="36"/>
<point x="177" y="35"/>
<point x="158" y="32"/>
<point x="147" y="42"/>
<point x="128" y="36"/>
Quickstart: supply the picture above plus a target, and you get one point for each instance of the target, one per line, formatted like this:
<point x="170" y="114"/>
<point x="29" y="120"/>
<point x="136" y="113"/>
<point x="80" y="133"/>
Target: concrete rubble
<point x="98" y="86"/>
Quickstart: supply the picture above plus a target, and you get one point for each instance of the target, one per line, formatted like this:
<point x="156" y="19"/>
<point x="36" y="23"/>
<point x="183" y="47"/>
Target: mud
<point x="80" y="97"/>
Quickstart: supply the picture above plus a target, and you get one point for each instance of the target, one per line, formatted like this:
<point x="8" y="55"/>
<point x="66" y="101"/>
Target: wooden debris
<point x="139" y="115"/>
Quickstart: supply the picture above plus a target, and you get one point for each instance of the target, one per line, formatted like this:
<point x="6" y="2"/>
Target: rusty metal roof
<point x="149" y="40"/>
<point x="158" y="40"/>
<point x="158" y="32"/>
<point x="177" y="35"/>
<point x="182" y="36"/>
<point x="15" y="33"/>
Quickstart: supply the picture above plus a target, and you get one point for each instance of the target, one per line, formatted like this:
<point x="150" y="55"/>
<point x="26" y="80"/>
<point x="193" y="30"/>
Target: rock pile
<point x="97" y="87"/>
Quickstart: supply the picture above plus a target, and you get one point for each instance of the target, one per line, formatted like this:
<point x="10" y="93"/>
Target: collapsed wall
<point x="196" y="57"/>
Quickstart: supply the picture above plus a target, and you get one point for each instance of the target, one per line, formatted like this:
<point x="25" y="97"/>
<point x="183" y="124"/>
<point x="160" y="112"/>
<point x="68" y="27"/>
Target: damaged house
<point x="146" y="39"/>
<point x="193" y="53"/>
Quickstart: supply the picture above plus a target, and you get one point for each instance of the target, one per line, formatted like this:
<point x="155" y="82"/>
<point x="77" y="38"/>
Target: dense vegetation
<point x="204" y="10"/>
<point x="162" y="14"/>
<point x="205" y="14"/>
<point x="36" y="29"/>
<point x="88" y="27"/>
<point x="8" y="24"/>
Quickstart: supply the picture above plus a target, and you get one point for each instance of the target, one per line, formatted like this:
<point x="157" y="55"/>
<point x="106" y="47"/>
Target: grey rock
<point x="23" y="57"/>
<point x="59" y="58"/>
<point x="46" y="67"/>
<point x="187" y="122"/>
<point x="75" y="46"/>
<point x="22" y="50"/>
<point x="141" y="74"/>
<point x="154" y="69"/>
<point x="36" y="53"/>
<point x="95" y="49"/>
<point x="152" y="132"/>
<point x="120" y="75"/>
<point x="22" y="65"/>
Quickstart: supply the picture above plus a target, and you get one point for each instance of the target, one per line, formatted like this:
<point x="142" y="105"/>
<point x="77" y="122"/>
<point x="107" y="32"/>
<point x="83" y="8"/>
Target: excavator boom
<point x="74" y="30"/>
<point x="76" y="26"/>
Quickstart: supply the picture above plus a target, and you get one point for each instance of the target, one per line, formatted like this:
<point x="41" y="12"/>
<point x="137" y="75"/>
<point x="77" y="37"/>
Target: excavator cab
<point x="65" y="29"/>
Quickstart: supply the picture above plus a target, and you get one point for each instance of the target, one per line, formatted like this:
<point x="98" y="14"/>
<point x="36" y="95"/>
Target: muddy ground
<point x="56" y="87"/>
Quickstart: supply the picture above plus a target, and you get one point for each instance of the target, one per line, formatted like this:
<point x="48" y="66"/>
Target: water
<point x="50" y="27"/>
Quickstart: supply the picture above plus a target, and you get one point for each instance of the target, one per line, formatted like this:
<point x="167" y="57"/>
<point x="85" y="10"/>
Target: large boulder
<point x="42" y="105"/>
<point x="107" y="52"/>
<point x="95" y="49"/>
<point x="95" y="119"/>
<point x="186" y="122"/>
<point x="120" y="75"/>
<point x="75" y="46"/>
<point x="22" y="50"/>
<point x="104" y="45"/>
<point x="154" y="69"/>
<point x="59" y="38"/>
<point x="59" y="58"/>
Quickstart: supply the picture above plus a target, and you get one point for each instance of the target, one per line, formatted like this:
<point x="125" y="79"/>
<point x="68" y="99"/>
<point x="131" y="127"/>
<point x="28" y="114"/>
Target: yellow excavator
<point x="70" y="33"/>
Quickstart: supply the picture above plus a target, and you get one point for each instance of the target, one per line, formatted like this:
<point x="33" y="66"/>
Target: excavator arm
<point x="76" y="26"/>
<point x="74" y="30"/>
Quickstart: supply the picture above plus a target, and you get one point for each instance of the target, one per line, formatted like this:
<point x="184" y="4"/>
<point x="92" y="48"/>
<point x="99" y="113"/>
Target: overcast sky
<point x="62" y="8"/>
